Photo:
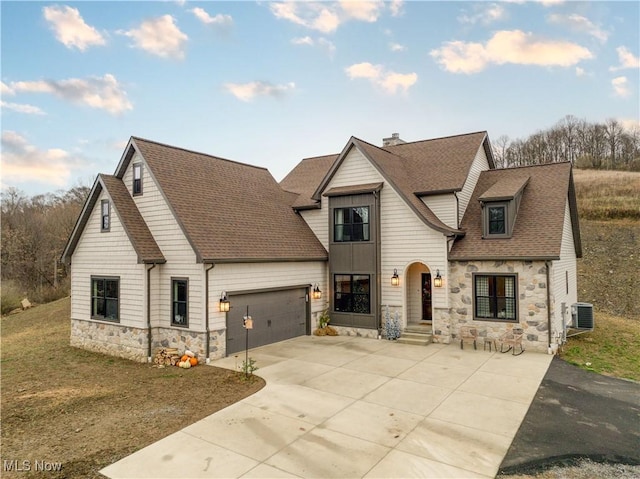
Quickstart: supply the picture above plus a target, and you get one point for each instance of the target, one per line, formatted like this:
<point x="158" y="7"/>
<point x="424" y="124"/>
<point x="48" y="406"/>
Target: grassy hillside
<point x="609" y="272"/>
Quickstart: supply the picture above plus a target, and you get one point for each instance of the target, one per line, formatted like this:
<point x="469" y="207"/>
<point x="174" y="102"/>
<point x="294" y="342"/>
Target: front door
<point x="426" y="297"/>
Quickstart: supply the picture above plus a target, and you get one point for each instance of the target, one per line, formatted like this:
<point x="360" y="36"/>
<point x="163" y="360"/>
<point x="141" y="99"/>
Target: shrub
<point x="10" y="297"/>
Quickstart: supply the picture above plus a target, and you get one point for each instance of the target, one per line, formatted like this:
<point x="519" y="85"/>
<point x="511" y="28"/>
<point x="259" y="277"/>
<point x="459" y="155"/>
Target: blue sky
<point x="270" y="83"/>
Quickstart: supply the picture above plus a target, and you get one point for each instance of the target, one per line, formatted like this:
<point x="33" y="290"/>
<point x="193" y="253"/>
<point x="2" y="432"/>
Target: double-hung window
<point x="137" y="179"/>
<point x="105" y="209"/>
<point x="105" y="298"/>
<point x="495" y="297"/>
<point x="180" y="302"/>
<point x="497" y="220"/>
<point x="352" y="293"/>
<point x="351" y="224"/>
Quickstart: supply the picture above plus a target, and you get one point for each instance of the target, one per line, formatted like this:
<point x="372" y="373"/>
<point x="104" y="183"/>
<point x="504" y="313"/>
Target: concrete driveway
<point x="354" y="407"/>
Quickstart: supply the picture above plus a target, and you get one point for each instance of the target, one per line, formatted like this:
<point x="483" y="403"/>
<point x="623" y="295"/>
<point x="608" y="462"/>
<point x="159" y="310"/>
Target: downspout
<point x="378" y="264"/>
<point x="548" y="268"/>
<point x="455" y="194"/>
<point x="149" y="312"/>
<point x="206" y="312"/>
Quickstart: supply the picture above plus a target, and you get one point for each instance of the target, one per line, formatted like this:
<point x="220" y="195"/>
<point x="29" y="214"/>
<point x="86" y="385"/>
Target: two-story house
<point x="177" y="247"/>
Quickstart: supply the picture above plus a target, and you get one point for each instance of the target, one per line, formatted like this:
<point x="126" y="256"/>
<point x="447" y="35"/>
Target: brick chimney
<point x="394" y="140"/>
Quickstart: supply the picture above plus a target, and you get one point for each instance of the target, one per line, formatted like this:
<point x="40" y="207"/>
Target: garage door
<point x="277" y="315"/>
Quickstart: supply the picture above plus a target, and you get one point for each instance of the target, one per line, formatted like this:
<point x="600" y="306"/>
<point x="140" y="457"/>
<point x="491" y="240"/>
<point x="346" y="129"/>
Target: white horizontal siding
<point x="445" y="207"/>
<point x="107" y="254"/>
<point x="318" y="221"/>
<point x="565" y="267"/>
<point x="480" y="164"/>
<point x="252" y="276"/>
<point x="181" y="259"/>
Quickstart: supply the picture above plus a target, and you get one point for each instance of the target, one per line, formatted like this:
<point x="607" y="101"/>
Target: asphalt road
<point x="577" y="414"/>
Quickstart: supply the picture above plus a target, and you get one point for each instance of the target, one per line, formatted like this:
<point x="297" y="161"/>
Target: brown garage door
<point x="277" y="315"/>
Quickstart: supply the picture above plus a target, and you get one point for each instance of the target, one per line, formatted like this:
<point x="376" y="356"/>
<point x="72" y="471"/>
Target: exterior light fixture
<point x="395" y="279"/>
<point x="224" y="303"/>
<point x="437" y="281"/>
<point x="317" y="294"/>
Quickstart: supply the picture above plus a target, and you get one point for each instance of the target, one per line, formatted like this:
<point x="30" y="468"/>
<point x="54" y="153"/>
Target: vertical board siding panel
<point x="107" y="254"/>
<point x="566" y="263"/>
<point x="480" y="164"/>
<point x="444" y="207"/>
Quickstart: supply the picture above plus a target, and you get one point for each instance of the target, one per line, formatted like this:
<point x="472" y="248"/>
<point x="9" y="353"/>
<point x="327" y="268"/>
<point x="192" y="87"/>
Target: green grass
<point x="612" y="349"/>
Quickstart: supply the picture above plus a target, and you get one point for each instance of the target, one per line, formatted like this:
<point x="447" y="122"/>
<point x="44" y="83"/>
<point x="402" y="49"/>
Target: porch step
<point x="416" y="334"/>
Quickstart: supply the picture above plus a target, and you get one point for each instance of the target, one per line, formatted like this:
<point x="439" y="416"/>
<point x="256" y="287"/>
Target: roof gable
<point x="537" y="233"/>
<point x="417" y="169"/>
<point x="137" y="230"/>
<point x="228" y="211"/>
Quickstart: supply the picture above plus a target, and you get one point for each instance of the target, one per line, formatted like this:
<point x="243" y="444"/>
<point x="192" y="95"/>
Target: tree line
<point x="607" y="145"/>
<point x="34" y="232"/>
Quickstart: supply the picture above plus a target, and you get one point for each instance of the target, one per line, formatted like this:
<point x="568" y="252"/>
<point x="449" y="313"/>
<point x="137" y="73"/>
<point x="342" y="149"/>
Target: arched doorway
<point x="419" y="294"/>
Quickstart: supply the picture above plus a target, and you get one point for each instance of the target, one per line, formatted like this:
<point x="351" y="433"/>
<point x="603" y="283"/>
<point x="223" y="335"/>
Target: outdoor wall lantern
<point x="437" y="281"/>
<point x="317" y="294"/>
<point x="224" y="303"/>
<point x="395" y="279"/>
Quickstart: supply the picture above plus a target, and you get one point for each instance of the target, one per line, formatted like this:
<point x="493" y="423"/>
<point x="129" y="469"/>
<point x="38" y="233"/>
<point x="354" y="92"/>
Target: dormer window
<point x="137" y="179"/>
<point x="105" y="209"/>
<point x="500" y="204"/>
<point x="497" y="218"/>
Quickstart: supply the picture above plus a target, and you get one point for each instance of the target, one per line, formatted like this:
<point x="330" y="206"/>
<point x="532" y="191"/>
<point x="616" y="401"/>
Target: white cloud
<point x="620" y="87"/>
<point x="159" y="36"/>
<point x="248" y="91"/>
<point x="22" y="162"/>
<point x="396" y="47"/>
<point x="484" y="13"/>
<point x="389" y="81"/>
<point x="220" y="20"/>
<point x="321" y="42"/>
<point x="327" y="17"/>
<point x="303" y="41"/>
<point x="22" y="108"/>
<point x="366" y="11"/>
<point x="580" y="72"/>
<point x="578" y="23"/>
<point x="627" y="60"/>
<point x="630" y="124"/>
<point x="6" y="89"/>
<point x="104" y="93"/>
<point x="396" y="8"/>
<point x="506" y="46"/>
<point x="70" y="28"/>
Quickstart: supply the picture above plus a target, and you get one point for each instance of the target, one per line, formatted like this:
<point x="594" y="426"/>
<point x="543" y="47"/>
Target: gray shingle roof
<point x="229" y="211"/>
<point x="537" y="232"/>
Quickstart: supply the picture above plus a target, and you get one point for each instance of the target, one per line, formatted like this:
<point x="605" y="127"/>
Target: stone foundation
<point x="131" y="343"/>
<point x="112" y="339"/>
<point x="359" y="332"/>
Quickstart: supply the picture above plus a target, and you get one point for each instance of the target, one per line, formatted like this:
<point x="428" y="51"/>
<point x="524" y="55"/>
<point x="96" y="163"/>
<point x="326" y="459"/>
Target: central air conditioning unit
<point x="582" y="316"/>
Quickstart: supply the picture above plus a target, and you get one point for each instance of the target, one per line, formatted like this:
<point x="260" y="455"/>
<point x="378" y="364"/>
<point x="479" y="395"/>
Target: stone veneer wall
<point x="131" y="343"/>
<point x="112" y="339"/>
<point x="359" y="332"/>
<point x="532" y="302"/>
